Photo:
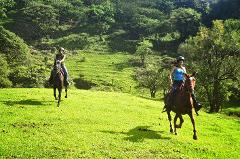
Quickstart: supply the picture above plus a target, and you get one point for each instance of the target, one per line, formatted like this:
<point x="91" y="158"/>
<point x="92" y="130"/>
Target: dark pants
<point x="176" y="85"/>
<point x="64" y="68"/>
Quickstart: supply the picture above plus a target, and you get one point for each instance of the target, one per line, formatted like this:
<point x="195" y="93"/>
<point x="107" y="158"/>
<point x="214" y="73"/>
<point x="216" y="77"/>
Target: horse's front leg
<point x="181" y="121"/>
<point x="175" y="123"/>
<point x="66" y="92"/>
<point x="170" y="121"/>
<point x="194" y="128"/>
<point x="59" y="96"/>
<point x="54" y="93"/>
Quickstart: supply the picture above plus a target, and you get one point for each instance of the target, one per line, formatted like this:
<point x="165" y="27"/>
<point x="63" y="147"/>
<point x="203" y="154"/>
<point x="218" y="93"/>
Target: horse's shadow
<point x="140" y="133"/>
<point x="30" y="102"/>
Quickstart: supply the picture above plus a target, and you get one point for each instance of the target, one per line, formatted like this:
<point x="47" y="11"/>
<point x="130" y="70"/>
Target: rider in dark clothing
<point x="61" y="57"/>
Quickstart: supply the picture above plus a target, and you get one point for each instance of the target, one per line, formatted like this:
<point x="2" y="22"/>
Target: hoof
<point x="171" y="130"/>
<point x="195" y="137"/>
<point x="175" y="133"/>
<point x="65" y="96"/>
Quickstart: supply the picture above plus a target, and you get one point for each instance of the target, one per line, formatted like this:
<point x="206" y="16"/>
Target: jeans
<point x="65" y="72"/>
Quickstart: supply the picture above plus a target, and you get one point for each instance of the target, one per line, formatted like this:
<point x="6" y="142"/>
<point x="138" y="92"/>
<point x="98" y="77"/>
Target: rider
<point x="177" y="75"/>
<point x="177" y="79"/>
<point x="61" y="57"/>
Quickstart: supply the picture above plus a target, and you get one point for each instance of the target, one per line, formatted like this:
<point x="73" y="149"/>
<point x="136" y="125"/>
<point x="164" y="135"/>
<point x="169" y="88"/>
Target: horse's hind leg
<point x="170" y="121"/>
<point x="194" y="128"/>
<point x="66" y="92"/>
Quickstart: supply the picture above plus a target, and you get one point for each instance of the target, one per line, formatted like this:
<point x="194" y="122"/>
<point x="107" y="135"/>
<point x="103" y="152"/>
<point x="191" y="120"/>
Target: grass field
<point x="106" y="71"/>
<point x="95" y="124"/>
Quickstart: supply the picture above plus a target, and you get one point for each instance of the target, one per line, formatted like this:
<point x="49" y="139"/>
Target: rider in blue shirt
<point x="177" y="75"/>
<point x="177" y="78"/>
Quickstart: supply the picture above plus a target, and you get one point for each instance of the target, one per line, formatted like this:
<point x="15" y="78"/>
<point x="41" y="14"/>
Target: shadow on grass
<point x="139" y="133"/>
<point x="127" y="64"/>
<point x="31" y="102"/>
<point x="149" y="98"/>
<point x="80" y="83"/>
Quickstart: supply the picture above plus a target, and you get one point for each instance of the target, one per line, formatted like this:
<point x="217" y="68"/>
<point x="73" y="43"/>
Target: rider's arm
<point x="184" y="69"/>
<point x="64" y="56"/>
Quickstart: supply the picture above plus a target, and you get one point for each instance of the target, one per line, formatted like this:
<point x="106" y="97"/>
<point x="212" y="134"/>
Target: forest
<point x="205" y="32"/>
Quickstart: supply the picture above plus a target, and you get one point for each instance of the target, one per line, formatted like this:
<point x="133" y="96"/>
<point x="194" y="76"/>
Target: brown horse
<point x="181" y="104"/>
<point x="58" y="81"/>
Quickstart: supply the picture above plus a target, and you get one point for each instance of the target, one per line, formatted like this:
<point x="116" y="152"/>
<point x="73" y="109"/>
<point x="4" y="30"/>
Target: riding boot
<point x="66" y="82"/>
<point x="196" y="104"/>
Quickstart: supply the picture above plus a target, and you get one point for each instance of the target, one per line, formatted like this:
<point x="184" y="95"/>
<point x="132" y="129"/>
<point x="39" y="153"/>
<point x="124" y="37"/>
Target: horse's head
<point x="58" y="66"/>
<point x="190" y="82"/>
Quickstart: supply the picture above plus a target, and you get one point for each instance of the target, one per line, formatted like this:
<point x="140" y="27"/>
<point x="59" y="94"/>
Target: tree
<point x="225" y="9"/>
<point x="35" y="21"/>
<point x="215" y="54"/>
<point x="166" y="65"/>
<point x="4" y="6"/>
<point x="156" y="74"/>
<point x="165" y="6"/>
<point x="101" y="17"/>
<point x="186" y="21"/>
<point x="150" y="78"/>
<point x="143" y="50"/>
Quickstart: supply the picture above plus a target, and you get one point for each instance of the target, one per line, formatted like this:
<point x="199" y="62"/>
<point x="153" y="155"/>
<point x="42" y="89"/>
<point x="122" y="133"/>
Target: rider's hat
<point x="180" y="58"/>
<point x="61" y="49"/>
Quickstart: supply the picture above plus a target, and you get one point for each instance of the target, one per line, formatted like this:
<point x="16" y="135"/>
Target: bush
<point x="235" y="93"/>
<point x="31" y="76"/>
<point x="73" y="41"/>
<point x="13" y="47"/>
<point x="4" y="71"/>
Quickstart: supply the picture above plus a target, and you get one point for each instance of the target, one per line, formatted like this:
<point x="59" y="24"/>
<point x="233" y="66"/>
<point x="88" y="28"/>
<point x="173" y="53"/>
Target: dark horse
<point x="58" y="81"/>
<point x="181" y="103"/>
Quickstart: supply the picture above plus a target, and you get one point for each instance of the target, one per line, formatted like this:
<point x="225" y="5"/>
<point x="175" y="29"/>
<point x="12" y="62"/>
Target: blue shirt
<point x="178" y="74"/>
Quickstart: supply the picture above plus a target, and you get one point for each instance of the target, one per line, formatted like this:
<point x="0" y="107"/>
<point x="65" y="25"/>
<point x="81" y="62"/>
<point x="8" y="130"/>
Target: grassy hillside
<point x="112" y="71"/>
<point x="94" y="124"/>
<point x="106" y="72"/>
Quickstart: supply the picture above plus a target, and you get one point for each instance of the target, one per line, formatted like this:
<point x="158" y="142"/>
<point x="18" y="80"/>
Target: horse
<point x="58" y="81"/>
<point x="182" y="104"/>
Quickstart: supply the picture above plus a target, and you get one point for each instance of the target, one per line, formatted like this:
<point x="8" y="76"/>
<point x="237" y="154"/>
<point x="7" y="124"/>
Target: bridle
<point x="189" y="84"/>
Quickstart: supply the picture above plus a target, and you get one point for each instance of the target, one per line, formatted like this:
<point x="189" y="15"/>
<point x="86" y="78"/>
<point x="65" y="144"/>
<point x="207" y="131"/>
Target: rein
<point x="189" y="86"/>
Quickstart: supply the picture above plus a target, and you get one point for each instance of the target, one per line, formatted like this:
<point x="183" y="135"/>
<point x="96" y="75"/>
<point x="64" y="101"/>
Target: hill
<point x="95" y="124"/>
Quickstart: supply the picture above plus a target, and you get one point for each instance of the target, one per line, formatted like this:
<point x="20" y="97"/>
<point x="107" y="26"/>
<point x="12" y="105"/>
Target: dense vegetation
<point x="155" y="31"/>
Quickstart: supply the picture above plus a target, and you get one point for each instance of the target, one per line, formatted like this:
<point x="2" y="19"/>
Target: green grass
<point x="107" y="71"/>
<point x="95" y="124"/>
